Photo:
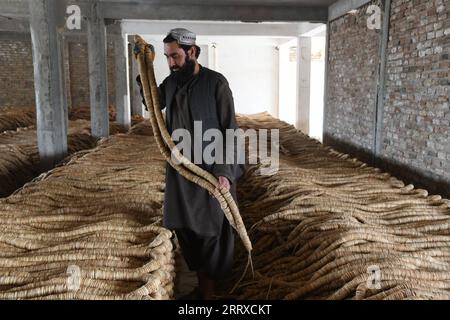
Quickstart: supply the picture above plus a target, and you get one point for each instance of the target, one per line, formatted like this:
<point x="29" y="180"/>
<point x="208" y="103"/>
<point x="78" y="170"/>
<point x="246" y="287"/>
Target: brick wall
<point x="352" y="87"/>
<point x="415" y="135"/>
<point x="416" y="121"/>
<point x="17" y="78"/>
<point x="78" y="73"/>
<point x="16" y="70"/>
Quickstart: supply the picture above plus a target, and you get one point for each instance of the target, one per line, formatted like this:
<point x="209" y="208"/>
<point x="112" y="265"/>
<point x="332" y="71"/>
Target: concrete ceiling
<point x="296" y="3"/>
<point x="217" y="10"/>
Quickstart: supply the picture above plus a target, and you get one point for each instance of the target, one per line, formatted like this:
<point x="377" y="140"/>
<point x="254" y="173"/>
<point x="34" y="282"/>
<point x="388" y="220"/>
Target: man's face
<point x="181" y="65"/>
<point x="176" y="57"/>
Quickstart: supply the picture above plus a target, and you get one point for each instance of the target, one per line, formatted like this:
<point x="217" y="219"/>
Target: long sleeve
<point x="227" y="120"/>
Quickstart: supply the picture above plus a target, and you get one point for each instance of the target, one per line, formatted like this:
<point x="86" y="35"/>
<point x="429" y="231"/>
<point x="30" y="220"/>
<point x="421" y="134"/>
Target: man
<point x="194" y="93"/>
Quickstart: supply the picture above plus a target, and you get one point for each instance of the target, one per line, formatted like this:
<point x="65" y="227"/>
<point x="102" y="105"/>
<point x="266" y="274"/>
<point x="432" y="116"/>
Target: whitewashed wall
<point x="250" y="65"/>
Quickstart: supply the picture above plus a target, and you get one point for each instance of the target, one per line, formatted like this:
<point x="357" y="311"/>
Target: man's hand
<point x="139" y="82"/>
<point x="224" y="183"/>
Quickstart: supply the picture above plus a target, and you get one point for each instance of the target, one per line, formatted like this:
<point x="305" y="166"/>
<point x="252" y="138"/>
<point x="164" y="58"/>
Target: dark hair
<point x="185" y="47"/>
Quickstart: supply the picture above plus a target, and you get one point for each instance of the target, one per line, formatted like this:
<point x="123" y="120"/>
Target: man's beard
<point x="184" y="73"/>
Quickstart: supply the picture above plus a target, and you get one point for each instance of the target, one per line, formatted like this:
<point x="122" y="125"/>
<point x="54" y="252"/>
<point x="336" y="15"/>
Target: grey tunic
<point x="205" y="97"/>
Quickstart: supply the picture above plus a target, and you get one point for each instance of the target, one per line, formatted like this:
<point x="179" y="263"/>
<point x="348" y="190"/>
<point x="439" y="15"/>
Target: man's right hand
<point x="139" y="82"/>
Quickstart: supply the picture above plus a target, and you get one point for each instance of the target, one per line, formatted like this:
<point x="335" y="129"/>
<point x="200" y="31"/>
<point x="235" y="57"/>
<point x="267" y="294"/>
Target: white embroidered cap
<point x="183" y="36"/>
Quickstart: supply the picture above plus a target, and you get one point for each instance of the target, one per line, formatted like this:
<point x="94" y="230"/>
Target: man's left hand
<point x="224" y="183"/>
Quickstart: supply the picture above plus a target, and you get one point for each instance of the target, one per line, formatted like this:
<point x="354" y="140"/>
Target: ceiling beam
<point x="131" y="10"/>
<point x="14" y="8"/>
<point x="219" y="28"/>
<point x="342" y="7"/>
<point x="14" y="24"/>
<point x="112" y="9"/>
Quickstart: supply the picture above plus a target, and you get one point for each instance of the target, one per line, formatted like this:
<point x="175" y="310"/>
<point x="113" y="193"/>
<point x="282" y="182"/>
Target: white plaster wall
<point x="249" y="63"/>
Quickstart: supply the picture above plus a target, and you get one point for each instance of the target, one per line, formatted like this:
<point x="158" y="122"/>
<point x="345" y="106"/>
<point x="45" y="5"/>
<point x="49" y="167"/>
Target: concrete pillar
<point x="276" y="103"/>
<point x="98" y="78"/>
<point x="48" y="81"/>
<point x="326" y="90"/>
<point x="65" y="87"/>
<point x="66" y="70"/>
<point x="304" y="83"/>
<point x="379" y="114"/>
<point x="121" y="74"/>
<point x="212" y="56"/>
<point x="137" y="108"/>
